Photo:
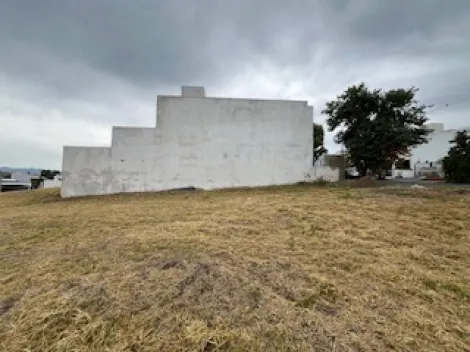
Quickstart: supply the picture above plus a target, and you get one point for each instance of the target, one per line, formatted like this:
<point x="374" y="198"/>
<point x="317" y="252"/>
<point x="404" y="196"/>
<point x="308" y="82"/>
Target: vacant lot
<point x="302" y="268"/>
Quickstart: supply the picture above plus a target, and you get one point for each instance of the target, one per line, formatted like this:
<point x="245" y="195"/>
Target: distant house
<point x="425" y="159"/>
<point x="11" y="184"/>
<point x="18" y="180"/>
<point x="21" y="176"/>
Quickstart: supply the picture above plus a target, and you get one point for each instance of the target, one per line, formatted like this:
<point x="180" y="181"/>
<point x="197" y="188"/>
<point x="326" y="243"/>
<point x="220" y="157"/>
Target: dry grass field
<point x="301" y="268"/>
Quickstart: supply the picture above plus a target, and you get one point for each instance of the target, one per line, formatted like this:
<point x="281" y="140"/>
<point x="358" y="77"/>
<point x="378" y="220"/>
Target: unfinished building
<point x="201" y="142"/>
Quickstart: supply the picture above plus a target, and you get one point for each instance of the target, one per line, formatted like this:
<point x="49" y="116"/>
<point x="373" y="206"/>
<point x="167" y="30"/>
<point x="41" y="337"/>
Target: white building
<point x="425" y="159"/>
<point x="56" y="182"/>
<point x="200" y="142"/>
<point x="23" y="177"/>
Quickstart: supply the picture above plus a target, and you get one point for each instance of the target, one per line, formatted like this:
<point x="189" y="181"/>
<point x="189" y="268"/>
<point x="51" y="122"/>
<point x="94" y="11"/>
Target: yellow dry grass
<point x="301" y="268"/>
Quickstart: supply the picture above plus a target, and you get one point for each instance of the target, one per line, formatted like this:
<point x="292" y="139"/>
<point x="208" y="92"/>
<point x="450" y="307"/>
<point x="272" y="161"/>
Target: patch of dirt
<point x="6" y="305"/>
<point x="172" y="264"/>
<point x="461" y="191"/>
<point x="365" y="182"/>
<point x="202" y="278"/>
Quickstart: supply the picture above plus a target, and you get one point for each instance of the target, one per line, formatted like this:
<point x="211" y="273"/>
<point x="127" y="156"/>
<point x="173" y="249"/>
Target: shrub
<point x="456" y="164"/>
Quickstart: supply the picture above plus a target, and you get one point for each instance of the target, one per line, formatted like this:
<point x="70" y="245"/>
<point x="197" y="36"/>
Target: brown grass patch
<point x="296" y="268"/>
<point x="364" y="182"/>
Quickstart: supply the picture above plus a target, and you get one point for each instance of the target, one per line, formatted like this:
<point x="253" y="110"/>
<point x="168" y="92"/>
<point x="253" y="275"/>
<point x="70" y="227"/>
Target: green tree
<point x="49" y="174"/>
<point x="456" y="164"/>
<point x="377" y="127"/>
<point x="318" y="141"/>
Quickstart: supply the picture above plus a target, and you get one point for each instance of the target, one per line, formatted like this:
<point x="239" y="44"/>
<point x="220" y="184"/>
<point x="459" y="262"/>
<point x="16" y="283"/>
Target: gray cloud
<point x="140" y="42"/>
<point x="99" y="63"/>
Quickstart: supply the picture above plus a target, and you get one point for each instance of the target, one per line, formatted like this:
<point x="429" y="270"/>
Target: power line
<point x="447" y="105"/>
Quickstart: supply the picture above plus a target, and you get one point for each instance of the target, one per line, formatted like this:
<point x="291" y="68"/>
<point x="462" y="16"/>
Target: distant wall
<point x="329" y="168"/>
<point x="200" y="142"/>
<point x="437" y="148"/>
<point x="86" y="170"/>
<point x="21" y="176"/>
<point x="402" y="173"/>
<point x="429" y="169"/>
<point x="55" y="183"/>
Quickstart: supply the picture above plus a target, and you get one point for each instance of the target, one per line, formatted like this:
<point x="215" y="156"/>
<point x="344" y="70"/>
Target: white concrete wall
<point x="21" y="176"/>
<point x="402" y="173"/>
<point x="199" y="142"/>
<point x="437" y="148"/>
<point x="86" y="170"/>
<point x="322" y="171"/>
<point x="232" y="142"/>
<point x="429" y="169"/>
<point x="134" y="136"/>
<point x="325" y="173"/>
<point x="55" y="183"/>
<point x="188" y="91"/>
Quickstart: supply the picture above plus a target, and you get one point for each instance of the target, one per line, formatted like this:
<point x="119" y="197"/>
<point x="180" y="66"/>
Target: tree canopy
<point x="318" y="141"/>
<point x="456" y="164"/>
<point x="49" y="174"/>
<point x="377" y="127"/>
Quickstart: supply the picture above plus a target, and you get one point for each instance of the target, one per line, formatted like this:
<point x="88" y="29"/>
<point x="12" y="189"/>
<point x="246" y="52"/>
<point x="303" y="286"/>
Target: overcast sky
<point x="71" y="69"/>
